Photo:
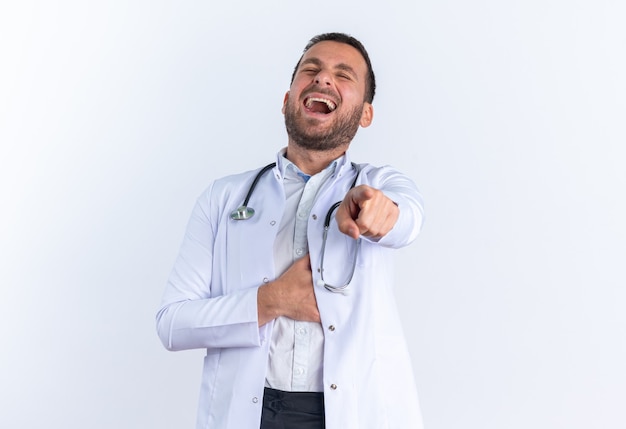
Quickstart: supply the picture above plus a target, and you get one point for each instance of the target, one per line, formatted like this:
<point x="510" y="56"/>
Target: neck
<point x="312" y="162"/>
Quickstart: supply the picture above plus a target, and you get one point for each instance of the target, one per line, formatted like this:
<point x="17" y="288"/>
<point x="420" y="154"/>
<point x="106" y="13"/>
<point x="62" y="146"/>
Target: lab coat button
<point x="273" y="223"/>
<point x="314" y="217"/>
<point x="255" y="399"/>
<point x="331" y="328"/>
<point x="333" y="386"/>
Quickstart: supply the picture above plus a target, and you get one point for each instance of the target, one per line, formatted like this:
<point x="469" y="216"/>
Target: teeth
<point x="331" y="106"/>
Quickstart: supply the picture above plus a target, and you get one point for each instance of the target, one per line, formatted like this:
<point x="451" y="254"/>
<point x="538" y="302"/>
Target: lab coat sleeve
<point x="195" y="313"/>
<point x="401" y="190"/>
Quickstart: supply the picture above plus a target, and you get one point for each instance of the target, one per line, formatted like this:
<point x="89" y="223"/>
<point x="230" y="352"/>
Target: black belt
<point x="292" y="410"/>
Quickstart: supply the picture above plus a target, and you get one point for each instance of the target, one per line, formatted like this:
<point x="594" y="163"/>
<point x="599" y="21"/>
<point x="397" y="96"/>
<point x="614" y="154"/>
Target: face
<point x="326" y="102"/>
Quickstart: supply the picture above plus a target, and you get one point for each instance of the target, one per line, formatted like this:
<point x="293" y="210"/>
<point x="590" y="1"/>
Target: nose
<point x="323" y="78"/>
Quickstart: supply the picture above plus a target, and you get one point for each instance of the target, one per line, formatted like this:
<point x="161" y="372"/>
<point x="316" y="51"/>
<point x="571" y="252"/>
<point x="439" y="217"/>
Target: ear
<point x="367" y="116"/>
<point x="285" y="102"/>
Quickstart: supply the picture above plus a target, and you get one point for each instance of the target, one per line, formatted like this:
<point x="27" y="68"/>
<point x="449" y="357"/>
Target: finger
<point x="361" y="194"/>
<point x="373" y="220"/>
<point x="371" y="208"/>
<point x="377" y="226"/>
<point x="345" y="219"/>
<point x="378" y="217"/>
<point x="350" y="209"/>
<point x="350" y="228"/>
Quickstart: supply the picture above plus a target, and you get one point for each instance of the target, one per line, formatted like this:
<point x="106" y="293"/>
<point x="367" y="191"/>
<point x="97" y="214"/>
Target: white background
<point x="509" y="115"/>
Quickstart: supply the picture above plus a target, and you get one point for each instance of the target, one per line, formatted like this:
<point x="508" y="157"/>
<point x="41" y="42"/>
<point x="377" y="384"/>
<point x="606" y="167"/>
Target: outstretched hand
<point x="366" y="211"/>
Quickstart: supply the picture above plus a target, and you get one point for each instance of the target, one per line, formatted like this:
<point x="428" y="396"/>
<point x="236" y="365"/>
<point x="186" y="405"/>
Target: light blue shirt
<point x="296" y="348"/>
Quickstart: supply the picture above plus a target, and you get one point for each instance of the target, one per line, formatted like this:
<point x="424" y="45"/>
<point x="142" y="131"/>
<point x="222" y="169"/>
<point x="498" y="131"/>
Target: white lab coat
<point x="211" y="302"/>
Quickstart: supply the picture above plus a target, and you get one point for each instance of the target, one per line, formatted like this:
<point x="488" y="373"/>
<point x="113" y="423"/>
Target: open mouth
<point x="320" y="105"/>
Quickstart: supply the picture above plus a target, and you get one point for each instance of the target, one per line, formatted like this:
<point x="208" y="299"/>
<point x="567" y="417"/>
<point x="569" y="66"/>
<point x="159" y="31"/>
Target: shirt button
<point x="298" y="252"/>
<point x="302" y="214"/>
<point x="266" y="280"/>
<point x="333" y="386"/>
<point x="302" y="331"/>
<point x="255" y="399"/>
<point x="273" y="223"/>
<point x="331" y="328"/>
<point x="299" y="371"/>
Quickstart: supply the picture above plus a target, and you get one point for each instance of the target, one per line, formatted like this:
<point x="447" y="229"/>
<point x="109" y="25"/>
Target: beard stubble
<point x="303" y="133"/>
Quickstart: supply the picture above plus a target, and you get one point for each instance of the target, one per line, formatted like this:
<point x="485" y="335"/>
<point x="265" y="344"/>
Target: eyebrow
<point x="341" y="66"/>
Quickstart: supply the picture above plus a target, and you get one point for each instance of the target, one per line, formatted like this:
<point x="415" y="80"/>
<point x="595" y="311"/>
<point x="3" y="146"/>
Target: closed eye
<point x="310" y="66"/>
<point x="344" y="71"/>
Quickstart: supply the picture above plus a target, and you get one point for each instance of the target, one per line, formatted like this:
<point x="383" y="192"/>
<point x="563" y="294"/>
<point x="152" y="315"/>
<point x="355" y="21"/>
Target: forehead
<point x="333" y="53"/>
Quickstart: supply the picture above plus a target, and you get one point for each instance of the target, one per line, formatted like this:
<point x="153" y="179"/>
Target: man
<point x="300" y="327"/>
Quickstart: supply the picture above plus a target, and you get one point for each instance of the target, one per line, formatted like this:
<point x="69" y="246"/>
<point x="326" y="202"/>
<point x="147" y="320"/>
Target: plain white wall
<point x="509" y="116"/>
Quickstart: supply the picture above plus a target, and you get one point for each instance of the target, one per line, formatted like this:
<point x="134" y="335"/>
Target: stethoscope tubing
<point x="256" y="180"/>
<point x="244" y="212"/>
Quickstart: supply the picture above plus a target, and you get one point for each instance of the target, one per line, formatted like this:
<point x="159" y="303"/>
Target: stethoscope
<point x="244" y="212"/>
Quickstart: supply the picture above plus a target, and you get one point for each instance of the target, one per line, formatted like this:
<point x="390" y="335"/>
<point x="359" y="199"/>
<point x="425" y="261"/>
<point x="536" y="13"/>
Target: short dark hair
<point x="370" y="83"/>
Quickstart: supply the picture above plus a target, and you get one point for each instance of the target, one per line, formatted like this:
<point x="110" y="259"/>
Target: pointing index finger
<point x="361" y="194"/>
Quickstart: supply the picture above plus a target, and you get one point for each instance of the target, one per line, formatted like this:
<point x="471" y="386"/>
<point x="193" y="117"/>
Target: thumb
<point x="345" y="218"/>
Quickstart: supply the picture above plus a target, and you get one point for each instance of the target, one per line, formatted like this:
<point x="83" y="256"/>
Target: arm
<point x="196" y="313"/>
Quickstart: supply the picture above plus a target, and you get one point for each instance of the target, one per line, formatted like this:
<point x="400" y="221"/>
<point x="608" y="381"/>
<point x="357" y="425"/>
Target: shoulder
<point x="227" y="185"/>
<point x="224" y="194"/>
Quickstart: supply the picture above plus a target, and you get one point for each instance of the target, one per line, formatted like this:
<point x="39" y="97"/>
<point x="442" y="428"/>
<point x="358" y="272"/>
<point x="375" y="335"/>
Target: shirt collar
<point x="284" y="165"/>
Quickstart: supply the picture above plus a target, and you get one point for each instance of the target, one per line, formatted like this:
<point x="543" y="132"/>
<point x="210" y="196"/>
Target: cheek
<point x="291" y="104"/>
<point x="298" y="85"/>
<point x="351" y="92"/>
<point x="352" y="98"/>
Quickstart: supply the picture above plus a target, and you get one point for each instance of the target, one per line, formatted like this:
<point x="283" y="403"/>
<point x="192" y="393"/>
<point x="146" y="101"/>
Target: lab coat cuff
<point x="407" y="225"/>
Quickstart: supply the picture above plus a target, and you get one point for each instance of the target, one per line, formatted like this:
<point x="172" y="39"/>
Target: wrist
<point x="267" y="304"/>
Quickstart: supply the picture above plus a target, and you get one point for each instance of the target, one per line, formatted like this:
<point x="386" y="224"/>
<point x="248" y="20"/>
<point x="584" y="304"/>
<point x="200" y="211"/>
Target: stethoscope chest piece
<point x="242" y="213"/>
